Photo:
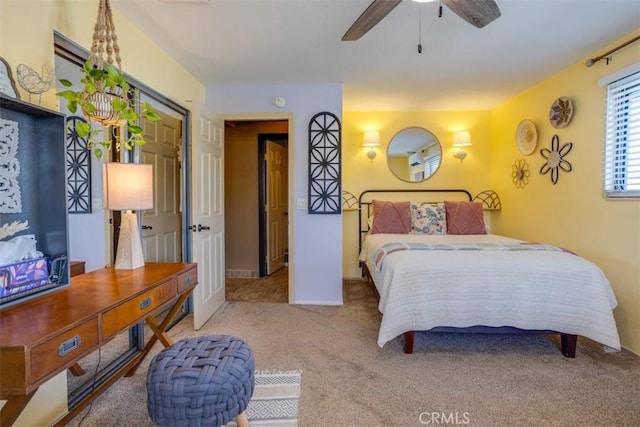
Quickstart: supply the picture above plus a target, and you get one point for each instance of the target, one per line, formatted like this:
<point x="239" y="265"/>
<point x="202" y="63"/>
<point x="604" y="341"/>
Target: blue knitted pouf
<point x="204" y="381"/>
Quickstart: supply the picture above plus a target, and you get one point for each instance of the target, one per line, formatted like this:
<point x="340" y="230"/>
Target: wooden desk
<point x="46" y="335"/>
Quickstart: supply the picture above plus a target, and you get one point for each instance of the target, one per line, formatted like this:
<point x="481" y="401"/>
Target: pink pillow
<point x="391" y="217"/>
<point x="464" y="218"/>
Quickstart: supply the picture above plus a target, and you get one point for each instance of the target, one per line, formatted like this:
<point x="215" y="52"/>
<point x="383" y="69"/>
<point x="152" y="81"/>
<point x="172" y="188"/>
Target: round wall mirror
<point x="414" y="154"/>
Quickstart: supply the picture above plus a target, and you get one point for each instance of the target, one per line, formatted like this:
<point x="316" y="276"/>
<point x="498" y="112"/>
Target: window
<point x="622" y="137"/>
<point x="431" y="163"/>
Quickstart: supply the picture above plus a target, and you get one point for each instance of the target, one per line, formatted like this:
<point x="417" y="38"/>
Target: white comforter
<point x="538" y="290"/>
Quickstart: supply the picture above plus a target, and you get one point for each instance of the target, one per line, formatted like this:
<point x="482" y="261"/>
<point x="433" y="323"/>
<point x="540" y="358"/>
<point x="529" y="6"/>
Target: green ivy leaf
<point x="119" y="104"/>
<point x="91" y="109"/>
<point x="83" y="129"/>
<point x="96" y="74"/>
<point x="135" y="130"/>
<point x="151" y="116"/>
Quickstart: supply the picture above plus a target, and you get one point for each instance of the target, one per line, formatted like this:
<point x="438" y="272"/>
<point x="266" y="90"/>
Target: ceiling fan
<point x="476" y="12"/>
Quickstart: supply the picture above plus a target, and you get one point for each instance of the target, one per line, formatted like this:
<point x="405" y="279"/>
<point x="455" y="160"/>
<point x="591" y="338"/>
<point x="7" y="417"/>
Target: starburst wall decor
<point x="555" y="160"/>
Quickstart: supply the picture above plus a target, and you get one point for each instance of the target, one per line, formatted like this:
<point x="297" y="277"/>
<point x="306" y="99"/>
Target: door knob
<point x="147" y="227"/>
<point x="203" y="227"/>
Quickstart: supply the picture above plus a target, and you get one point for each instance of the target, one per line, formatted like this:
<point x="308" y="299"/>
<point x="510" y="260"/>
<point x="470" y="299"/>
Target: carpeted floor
<point x="477" y="380"/>
<point x="274" y="288"/>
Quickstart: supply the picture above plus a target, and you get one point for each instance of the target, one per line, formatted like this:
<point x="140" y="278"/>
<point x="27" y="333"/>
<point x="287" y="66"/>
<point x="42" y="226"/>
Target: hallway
<point x="274" y="288"/>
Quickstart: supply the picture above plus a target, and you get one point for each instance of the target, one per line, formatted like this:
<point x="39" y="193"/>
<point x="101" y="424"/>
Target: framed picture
<point x="7" y="84"/>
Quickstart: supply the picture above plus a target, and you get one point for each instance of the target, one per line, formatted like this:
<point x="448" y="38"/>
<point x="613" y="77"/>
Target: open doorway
<point x="272" y="202"/>
<point x="256" y="210"/>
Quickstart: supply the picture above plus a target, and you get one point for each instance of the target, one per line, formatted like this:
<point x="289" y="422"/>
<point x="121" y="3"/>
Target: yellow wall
<point x="26" y="37"/>
<point x="360" y="174"/>
<point x="573" y="213"/>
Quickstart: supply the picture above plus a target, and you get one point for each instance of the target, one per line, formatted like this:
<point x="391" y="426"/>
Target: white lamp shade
<point x="462" y="138"/>
<point x="371" y="138"/>
<point x="127" y="186"/>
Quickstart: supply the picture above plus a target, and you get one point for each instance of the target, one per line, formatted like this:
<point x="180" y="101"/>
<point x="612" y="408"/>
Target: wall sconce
<point x="461" y="139"/>
<point x="371" y="139"/>
<point x="127" y="187"/>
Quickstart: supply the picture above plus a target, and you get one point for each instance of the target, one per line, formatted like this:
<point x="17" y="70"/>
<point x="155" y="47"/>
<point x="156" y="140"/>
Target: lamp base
<point x="129" y="254"/>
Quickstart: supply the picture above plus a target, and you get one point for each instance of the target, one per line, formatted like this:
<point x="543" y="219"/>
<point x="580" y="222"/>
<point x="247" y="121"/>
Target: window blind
<point x="622" y="138"/>
<point x="431" y="164"/>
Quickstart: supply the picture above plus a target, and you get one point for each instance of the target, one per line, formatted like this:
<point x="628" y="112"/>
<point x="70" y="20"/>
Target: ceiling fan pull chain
<point x="419" y="29"/>
<point x="440" y="10"/>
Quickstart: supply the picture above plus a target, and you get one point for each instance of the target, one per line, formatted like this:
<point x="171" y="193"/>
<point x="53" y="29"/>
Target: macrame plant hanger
<point x="105" y="46"/>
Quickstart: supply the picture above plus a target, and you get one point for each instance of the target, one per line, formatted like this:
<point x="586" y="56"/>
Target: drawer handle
<point x="145" y="303"/>
<point x="68" y="346"/>
<point x="187" y="280"/>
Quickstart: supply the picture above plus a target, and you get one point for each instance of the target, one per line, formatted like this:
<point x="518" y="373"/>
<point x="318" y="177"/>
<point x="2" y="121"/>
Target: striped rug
<point x="275" y="399"/>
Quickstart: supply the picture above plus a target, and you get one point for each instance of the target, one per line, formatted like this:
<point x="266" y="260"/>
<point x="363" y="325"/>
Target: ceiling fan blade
<point x="373" y="14"/>
<point x="476" y="12"/>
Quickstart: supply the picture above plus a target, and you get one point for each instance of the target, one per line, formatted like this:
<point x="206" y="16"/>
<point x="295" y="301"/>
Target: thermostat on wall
<point x="280" y="102"/>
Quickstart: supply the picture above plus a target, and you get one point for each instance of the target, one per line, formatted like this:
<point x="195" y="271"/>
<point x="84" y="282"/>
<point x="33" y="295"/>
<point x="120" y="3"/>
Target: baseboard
<point x="243" y="274"/>
<point x="318" y="303"/>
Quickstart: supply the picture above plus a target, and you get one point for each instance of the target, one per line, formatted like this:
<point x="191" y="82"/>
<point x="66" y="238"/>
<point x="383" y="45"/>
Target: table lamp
<point x="128" y="187"/>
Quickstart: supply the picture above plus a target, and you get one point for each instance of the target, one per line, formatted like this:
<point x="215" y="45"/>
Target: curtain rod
<point x="592" y="61"/>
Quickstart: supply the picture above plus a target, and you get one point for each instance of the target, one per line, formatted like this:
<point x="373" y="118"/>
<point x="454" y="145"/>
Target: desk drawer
<point x="49" y="357"/>
<point x="127" y="314"/>
<point x="187" y="280"/>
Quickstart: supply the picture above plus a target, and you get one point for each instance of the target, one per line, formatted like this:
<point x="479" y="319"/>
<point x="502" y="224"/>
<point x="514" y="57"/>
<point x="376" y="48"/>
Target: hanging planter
<point x="105" y="97"/>
<point x="103" y="112"/>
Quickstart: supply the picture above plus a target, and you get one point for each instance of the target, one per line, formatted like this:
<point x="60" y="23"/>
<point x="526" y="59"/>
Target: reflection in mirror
<point x="414" y="154"/>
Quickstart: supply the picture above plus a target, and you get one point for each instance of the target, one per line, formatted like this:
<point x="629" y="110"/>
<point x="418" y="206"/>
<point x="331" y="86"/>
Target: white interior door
<point x="276" y="209"/>
<point x="208" y="218"/>
<point x="162" y="225"/>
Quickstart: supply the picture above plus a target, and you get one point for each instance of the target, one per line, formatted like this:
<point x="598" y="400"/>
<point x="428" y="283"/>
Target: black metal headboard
<point x="365" y="201"/>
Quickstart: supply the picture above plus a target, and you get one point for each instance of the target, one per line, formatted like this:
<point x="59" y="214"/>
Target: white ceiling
<point x="244" y="42"/>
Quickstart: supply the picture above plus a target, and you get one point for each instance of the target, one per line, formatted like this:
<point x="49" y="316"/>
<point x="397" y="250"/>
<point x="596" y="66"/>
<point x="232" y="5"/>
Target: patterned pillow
<point x="391" y="217"/>
<point x="428" y="218"/>
<point x="464" y="218"/>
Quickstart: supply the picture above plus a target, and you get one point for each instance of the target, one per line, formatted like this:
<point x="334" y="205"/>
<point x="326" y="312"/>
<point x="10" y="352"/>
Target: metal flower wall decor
<point x="520" y="173"/>
<point x="555" y="159"/>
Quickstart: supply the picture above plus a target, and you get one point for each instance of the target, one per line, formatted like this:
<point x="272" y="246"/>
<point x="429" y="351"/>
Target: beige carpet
<point x="485" y="380"/>
<point x="274" y="288"/>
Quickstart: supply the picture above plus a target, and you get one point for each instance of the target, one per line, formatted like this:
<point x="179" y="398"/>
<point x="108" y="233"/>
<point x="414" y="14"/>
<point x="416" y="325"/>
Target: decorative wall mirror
<point x="414" y="154"/>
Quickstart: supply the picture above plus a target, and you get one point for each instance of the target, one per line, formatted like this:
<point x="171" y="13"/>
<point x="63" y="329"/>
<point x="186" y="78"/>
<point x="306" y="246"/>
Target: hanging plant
<point x="105" y="95"/>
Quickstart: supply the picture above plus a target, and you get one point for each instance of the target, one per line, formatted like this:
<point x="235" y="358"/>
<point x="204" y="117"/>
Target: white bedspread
<point x="538" y="290"/>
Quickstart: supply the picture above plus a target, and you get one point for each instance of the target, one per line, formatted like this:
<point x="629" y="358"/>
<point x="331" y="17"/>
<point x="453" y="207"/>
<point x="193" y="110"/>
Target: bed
<point x="474" y="281"/>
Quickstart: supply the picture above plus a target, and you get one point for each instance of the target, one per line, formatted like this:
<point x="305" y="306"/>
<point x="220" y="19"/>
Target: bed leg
<point x="568" y="345"/>
<point x="408" y="341"/>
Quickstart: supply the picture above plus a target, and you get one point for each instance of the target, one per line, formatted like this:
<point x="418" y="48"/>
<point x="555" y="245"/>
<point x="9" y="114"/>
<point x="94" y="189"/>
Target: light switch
<point x="301" y="204"/>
